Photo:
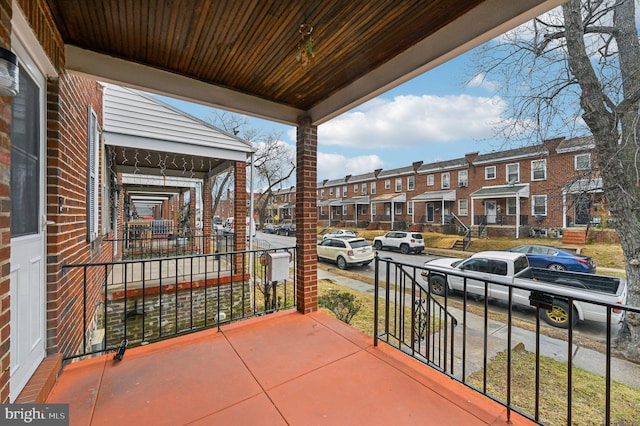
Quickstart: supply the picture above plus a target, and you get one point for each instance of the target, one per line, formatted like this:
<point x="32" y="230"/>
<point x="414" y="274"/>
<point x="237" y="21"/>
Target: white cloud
<point x="333" y="166"/>
<point x="480" y="80"/>
<point x="409" y="121"/>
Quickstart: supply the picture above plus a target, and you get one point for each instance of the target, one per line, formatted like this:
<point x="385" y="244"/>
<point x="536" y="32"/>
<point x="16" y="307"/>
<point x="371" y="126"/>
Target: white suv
<point x="400" y="240"/>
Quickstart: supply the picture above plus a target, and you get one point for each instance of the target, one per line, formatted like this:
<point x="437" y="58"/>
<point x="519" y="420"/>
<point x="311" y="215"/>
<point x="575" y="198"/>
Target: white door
<point x="27" y="287"/>
<point x="490" y="211"/>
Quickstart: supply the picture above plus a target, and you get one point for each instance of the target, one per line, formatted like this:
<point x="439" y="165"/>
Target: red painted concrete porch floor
<point x="282" y="369"/>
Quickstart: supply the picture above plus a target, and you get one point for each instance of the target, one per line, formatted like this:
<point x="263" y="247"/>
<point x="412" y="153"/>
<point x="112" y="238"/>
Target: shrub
<point x="343" y="305"/>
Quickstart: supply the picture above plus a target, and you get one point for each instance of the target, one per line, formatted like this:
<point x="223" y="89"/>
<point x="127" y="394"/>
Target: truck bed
<point x="599" y="283"/>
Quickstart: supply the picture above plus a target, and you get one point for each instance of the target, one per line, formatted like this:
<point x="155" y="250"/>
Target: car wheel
<point x="342" y="264"/>
<point x="438" y="285"/>
<point x="404" y="249"/>
<point x="377" y="245"/>
<point x="558" y="315"/>
<point x="557" y="267"/>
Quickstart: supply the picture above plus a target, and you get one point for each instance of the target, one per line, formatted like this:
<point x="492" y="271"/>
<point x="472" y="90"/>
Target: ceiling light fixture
<point x="8" y="73"/>
<point x="305" y="45"/>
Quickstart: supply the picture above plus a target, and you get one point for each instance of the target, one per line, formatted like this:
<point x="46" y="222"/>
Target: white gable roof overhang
<point x="152" y="137"/>
<point x="445" y="195"/>
<point x="390" y="198"/>
<point x="356" y="200"/>
<point x="506" y="191"/>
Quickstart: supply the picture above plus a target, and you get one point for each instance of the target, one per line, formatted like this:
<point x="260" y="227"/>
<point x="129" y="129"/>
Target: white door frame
<point x="28" y="256"/>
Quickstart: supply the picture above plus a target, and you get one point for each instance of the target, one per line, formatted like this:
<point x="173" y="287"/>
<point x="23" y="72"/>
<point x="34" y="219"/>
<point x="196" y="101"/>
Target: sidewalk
<point x="584" y="358"/>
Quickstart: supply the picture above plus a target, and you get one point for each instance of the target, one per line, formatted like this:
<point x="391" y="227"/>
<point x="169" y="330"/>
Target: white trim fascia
<point x="511" y="158"/>
<point x="587" y="147"/>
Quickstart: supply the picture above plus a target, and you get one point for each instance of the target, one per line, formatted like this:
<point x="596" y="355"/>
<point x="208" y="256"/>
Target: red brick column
<point x="306" y="216"/>
<point x="207" y="214"/>
<point x="240" y="212"/>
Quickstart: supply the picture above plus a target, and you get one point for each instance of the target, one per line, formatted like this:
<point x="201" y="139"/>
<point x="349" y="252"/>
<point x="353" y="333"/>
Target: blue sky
<point x="436" y="116"/>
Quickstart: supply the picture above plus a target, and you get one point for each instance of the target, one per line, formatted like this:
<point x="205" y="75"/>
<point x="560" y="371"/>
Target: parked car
<point x="400" y="240"/>
<point x="345" y="252"/>
<point x="270" y="228"/>
<point x="287" y="229"/>
<point x="339" y="233"/>
<point x="475" y="274"/>
<point x="541" y="256"/>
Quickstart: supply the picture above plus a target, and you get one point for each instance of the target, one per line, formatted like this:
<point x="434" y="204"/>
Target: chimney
<point x="471" y="156"/>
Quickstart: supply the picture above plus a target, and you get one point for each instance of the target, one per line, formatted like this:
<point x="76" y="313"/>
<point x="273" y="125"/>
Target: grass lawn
<point x="604" y="255"/>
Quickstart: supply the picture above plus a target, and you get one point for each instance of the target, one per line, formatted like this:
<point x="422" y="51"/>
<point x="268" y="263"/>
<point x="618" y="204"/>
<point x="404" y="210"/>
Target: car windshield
<point x="359" y="243"/>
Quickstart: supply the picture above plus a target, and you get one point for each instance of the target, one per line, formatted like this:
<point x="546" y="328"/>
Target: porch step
<point x="40" y="384"/>
<point x="458" y="245"/>
<point x="372" y="226"/>
<point x="577" y="237"/>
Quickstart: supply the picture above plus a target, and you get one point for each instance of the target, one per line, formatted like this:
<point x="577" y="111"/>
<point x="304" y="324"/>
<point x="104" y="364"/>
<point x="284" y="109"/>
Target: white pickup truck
<point x="490" y="268"/>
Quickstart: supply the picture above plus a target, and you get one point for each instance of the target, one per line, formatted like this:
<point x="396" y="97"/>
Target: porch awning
<point x="153" y="138"/>
<point x="506" y="191"/>
<point x="335" y="202"/>
<point x="390" y="198"/>
<point x="356" y="200"/>
<point x="444" y="195"/>
<point x="585" y="185"/>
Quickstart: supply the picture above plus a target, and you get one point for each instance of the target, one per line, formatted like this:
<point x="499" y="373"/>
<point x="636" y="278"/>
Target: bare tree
<point x="273" y="161"/>
<point x="577" y="70"/>
<point x="274" y="165"/>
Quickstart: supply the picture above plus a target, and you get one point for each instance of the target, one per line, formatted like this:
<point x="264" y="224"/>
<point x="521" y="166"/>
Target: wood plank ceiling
<point x="249" y="47"/>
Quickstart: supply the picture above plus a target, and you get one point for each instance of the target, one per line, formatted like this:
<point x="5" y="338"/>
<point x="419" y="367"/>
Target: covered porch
<point x="286" y="368"/>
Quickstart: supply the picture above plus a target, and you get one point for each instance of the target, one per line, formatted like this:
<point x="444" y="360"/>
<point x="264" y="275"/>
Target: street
<point x="591" y="330"/>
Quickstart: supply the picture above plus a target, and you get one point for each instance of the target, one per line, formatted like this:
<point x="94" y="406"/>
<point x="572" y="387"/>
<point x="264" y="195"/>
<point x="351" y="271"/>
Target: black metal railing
<point x="141" y="301"/>
<point x="485" y="332"/>
<point x="428" y="332"/>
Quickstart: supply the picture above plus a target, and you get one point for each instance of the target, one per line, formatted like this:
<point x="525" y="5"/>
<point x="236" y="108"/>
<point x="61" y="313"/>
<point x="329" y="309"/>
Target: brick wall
<point x="5" y="213"/>
<point x="68" y="101"/>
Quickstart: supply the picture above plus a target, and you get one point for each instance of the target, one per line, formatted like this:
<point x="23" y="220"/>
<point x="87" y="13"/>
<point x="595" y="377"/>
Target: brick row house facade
<point x="538" y="189"/>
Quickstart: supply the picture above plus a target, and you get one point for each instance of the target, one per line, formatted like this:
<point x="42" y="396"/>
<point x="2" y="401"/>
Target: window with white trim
<point x="513" y="173"/>
<point x="364" y="189"/>
<point x="344" y="210"/>
<point x="463" y="178"/>
<point x="490" y="173"/>
<point x="431" y="180"/>
<point x="387" y="184"/>
<point x="322" y="194"/>
<point x="373" y="209"/>
<point x="539" y="205"/>
<point x="409" y="207"/>
<point x="373" y="187"/>
<point x="511" y="206"/>
<point x="411" y="183"/>
<point x="92" y="190"/>
<point x="330" y="191"/>
<point x="463" y="207"/>
<point x="345" y="190"/>
<point x="398" y="208"/>
<point x="539" y="169"/>
<point x="445" y="180"/>
<point x="398" y="184"/>
<point x="582" y="161"/>
<point x="363" y="209"/>
<point x="355" y="188"/>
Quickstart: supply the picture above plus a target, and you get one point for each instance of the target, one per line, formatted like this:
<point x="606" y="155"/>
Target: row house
<point x="542" y="188"/>
<point x="281" y="205"/>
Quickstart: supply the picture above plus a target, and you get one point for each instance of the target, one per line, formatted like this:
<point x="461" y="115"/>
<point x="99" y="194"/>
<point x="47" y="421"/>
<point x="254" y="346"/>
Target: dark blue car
<point x="549" y="257"/>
